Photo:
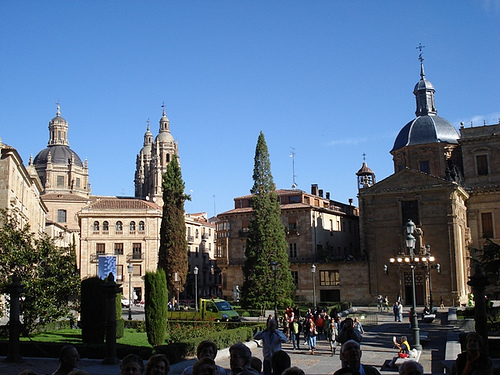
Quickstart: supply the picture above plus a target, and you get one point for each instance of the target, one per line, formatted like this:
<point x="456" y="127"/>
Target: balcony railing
<point x="190" y="239"/>
<point x="135" y="257"/>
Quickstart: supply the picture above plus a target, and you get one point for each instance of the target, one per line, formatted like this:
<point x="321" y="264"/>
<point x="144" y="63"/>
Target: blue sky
<point x="331" y="79"/>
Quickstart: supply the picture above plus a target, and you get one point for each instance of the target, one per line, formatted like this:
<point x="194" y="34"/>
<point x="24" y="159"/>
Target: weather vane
<point x="420" y="48"/>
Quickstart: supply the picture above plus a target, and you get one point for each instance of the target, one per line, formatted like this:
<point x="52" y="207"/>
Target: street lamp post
<point x="410" y="245"/>
<point x="430" y="258"/>
<point x="274" y="267"/>
<point x="130" y="269"/>
<point x="195" y="271"/>
<point x="313" y="272"/>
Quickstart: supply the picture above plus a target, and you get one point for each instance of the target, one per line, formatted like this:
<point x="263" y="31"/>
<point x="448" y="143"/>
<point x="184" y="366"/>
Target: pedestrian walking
<point x="295" y="329"/>
<point x="311" y="338"/>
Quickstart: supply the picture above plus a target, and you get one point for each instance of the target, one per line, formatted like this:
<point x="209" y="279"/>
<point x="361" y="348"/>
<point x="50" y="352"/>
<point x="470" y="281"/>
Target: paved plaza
<point x="377" y="347"/>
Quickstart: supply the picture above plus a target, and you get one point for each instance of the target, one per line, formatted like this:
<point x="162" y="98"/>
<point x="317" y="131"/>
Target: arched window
<point x="141" y="226"/>
<point x="119" y="226"/>
<point x="96" y="226"/>
<point x="105" y="226"/>
<point x="132" y="226"/>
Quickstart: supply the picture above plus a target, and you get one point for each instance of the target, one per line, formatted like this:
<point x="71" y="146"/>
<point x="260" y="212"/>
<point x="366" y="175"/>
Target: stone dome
<point x="423" y="84"/>
<point x="60" y="154"/>
<point x="426" y="129"/>
<point x="164" y="137"/>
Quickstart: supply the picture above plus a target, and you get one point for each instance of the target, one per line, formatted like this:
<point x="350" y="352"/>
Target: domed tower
<point x="142" y="170"/>
<point x="60" y="169"/>
<point x="366" y="177"/>
<point x="427" y="143"/>
<point x="152" y="161"/>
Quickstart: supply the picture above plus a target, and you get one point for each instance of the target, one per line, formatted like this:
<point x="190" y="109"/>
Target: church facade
<point x="448" y="185"/>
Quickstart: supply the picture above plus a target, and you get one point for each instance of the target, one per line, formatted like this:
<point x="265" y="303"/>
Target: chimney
<point x="327" y="195"/>
<point x="314" y="189"/>
<point x="321" y="193"/>
<point x="351" y="201"/>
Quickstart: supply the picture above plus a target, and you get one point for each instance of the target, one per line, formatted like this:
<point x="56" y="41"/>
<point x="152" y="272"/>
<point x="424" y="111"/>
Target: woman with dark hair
<point x="158" y="364"/>
<point x="205" y="349"/>
<point x="473" y="362"/>
<point x="311" y="335"/>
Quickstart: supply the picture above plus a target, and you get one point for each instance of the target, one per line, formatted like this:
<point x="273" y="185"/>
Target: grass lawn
<point x="74" y="336"/>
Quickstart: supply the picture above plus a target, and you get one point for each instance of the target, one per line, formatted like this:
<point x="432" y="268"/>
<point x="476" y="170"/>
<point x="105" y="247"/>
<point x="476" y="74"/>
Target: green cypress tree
<point x="155" y="308"/>
<point x="266" y="241"/>
<point x="172" y="256"/>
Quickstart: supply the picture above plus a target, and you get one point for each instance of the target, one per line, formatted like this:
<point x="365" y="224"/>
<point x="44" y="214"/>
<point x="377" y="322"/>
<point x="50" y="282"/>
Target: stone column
<point x="111" y="289"/>
<point x="14" y="289"/>
<point x="478" y="282"/>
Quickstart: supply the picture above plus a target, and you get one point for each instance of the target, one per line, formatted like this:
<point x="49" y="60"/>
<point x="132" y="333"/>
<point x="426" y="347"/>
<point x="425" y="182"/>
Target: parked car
<point x="125" y="302"/>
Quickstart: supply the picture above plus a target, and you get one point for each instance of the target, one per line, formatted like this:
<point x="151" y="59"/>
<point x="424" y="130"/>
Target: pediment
<point x="408" y="179"/>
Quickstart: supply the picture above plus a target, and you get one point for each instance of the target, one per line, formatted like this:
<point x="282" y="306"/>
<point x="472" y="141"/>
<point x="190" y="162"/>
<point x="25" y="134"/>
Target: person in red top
<point x="320" y="325"/>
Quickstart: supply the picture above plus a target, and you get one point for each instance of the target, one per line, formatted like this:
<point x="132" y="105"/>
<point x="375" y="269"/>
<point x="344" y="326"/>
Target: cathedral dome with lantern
<point x="427" y="127"/>
<point x="59" y="167"/>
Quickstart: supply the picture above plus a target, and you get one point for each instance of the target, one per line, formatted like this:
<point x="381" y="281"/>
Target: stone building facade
<point x="481" y="155"/>
<point x="445" y="182"/>
<point x="201" y="254"/>
<point x="320" y="232"/>
<point x="20" y="191"/>
<point x="127" y="228"/>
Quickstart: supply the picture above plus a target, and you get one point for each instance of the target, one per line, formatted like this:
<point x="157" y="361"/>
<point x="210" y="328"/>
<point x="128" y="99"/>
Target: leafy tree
<point x="489" y="258"/>
<point x="155" y="284"/>
<point x="48" y="272"/>
<point x="172" y="256"/>
<point x="266" y="241"/>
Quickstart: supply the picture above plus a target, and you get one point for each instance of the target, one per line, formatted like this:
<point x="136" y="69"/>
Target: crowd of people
<point x="345" y="334"/>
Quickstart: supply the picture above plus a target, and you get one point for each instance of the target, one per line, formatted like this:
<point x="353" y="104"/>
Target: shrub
<point x="156" y="306"/>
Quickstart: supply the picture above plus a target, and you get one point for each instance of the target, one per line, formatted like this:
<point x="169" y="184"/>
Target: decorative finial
<point x="147" y="122"/>
<point x="163" y="106"/>
<point x="420" y="48"/>
<point x="364" y="157"/>
<point x="58" y="113"/>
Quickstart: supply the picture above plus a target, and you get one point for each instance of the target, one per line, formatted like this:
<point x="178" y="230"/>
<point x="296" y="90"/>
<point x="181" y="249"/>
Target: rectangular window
<point x="100" y="248"/>
<point x="329" y="278"/>
<point x="409" y="210"/>
<point x="482" y="165"/>
<point x="60" y="181"/>
<point x="295" y="277"/>
<point x="119" y="272"/>
<point x="487" y="224"/>
<point x="61" y="216"/>
<point x="218" y="252"/>
<point x="137" y="270"/>
<point x="118" y="248"/>
<point x="136" y="251"/>
<point x="78" y="182"/>
<point x="424" y="166"/>
<point x="293" y="250"/>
